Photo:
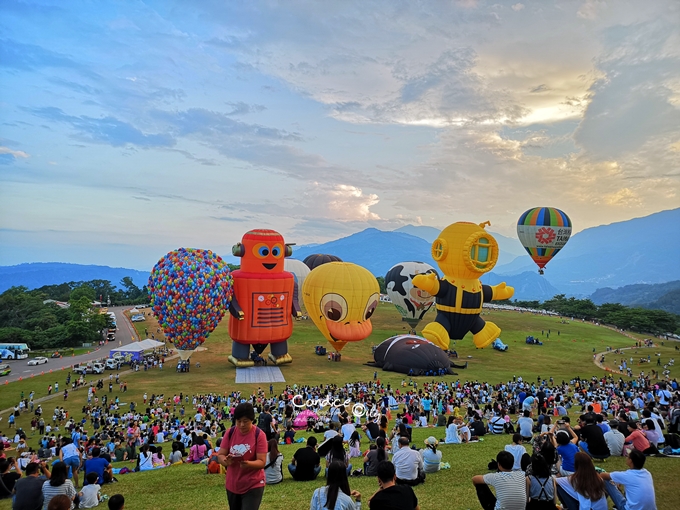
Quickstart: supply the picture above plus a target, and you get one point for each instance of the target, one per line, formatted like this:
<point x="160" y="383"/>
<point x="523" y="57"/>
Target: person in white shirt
<point x="347" y="430"/>
<point x="90" y="495"/>
<point x="637" y="482"/>
<point x="331" y="432"/>
<point x="517" y="450"/>
<point x="614" y="439"/>
<point x="452" y="436"/>
<point x="408" y="464"/>
<point x="584" y="489"/>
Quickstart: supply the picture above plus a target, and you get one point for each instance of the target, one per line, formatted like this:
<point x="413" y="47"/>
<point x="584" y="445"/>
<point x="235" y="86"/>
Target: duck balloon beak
<point x="351" y="331"/>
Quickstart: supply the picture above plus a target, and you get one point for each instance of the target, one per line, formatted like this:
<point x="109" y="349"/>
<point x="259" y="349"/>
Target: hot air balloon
<point x="543" y="231"/>
<point x="263" y="303"/>
<point x="464" y="252"/>
<point x="340" y="298"/>
<point x="190" y="290"/>
<point x="317" y="259"/>
<point x="411" y="302"/>
<point x="299" y="270"/>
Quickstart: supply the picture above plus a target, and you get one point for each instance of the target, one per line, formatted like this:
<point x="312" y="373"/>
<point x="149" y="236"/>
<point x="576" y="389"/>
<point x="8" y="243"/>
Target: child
<point x="355" y="445"/>
<point x="158" y="458"/>
<point x="90" y="495"/>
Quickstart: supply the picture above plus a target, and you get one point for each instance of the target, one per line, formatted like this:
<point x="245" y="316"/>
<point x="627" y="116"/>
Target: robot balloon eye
<point x="264" y="251"/>
<point x="334" y="307"/>
<point x="261" y="250"/>
<point x="276" y="251"/>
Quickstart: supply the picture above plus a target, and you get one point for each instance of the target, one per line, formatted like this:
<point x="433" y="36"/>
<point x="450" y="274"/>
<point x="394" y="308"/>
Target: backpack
<point x="213" y="467"/>
<point x="672" y="440"/>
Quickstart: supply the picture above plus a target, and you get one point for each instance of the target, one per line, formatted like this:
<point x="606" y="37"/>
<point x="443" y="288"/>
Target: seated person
<point x="375" y="456"/>
<point x="90" y="495"/>
<point x="583" y="489"/>
<point x="432" y="457"/>
<point x="525" y="425"/>
<point x="289" y="435"/>
<point x="391" y="495"/>
<point x="636" y="481"/>
<point x="511" y="486"/>
<point x="100" y="466"/>
<point x="306" y="463"/>
<point x="452" y="436"/>
<point x="517" y="450"/>
<point x="371" y="429"/>
<point x="408" y="464"/>
<point x="477" y="427"/>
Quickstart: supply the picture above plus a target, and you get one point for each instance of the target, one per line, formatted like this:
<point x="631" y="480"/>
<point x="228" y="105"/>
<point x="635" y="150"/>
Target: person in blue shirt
<point x="100" y="466"/>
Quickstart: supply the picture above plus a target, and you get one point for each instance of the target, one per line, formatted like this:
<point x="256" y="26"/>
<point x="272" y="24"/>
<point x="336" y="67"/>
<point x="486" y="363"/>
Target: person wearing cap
<point x="432" y="457"/>
<point x="614" y="439"/>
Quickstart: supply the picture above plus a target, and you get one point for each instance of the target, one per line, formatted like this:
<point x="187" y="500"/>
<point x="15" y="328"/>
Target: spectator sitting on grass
<point x="117" y="502"/>
<point x="90" y="495"/>
<point x="336" y="495"/>
<point x="583" y="489"/>
<point x="511" y="486"/>
<point x="517" y="450"/>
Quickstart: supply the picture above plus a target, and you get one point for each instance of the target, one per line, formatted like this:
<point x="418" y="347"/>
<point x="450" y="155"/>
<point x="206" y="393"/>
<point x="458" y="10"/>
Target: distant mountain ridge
<point x="638" y="251"/>
<point x="38" y="274"/>
<point x="660" y="296"/>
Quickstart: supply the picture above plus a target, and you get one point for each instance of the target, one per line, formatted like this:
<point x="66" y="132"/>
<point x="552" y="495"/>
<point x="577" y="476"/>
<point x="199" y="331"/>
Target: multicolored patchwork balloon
<point x="190" y="291"/>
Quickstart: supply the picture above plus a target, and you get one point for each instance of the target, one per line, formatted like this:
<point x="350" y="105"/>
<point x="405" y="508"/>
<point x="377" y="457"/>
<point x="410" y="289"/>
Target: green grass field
<point x="563" y="357"/>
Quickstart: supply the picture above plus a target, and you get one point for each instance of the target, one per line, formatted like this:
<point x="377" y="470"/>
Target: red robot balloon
<point x="264" y="301"/>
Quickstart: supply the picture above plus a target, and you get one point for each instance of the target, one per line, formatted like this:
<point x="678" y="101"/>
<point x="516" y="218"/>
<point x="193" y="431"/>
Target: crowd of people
<point x="617" y="417"/>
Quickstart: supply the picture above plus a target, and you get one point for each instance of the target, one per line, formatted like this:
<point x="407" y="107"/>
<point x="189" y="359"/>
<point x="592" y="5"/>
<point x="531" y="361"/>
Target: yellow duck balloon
<point x="464" y="252"/>
<point x="340" y="298"/>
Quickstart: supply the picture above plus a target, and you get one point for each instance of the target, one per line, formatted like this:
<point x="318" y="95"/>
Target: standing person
<point x="58" y="484"/>
<point x="243" y="451"/>
<point x="69" y="454"/>
<point x="265" y="423"/>
<point x="391" y="496"/>
<point x="511" y="486"/>
<point x="637" y="482"/>
<point x="336" y="495"/>
<point x="583" y="489"/>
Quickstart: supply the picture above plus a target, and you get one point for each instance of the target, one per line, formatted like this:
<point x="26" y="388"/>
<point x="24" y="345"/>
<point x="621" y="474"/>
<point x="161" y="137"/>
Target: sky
<point x="132" y="128"/>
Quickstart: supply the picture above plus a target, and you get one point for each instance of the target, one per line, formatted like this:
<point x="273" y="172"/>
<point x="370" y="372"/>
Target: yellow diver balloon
<point x="464" y="252"/>
<point x="341" y="297"/>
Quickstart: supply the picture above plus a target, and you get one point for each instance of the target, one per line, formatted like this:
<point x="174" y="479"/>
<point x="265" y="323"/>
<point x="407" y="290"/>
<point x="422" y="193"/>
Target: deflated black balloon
<point x="318" y="259"/>
<point x="413" y="355"/>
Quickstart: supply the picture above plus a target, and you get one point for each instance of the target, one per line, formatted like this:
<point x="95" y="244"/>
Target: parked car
<point x="112" y="364"/>
<point x="137" y="318"/>
<point x="38" y="360"/>
<point x="90" y="368"/>
<point x="5" y="370"/>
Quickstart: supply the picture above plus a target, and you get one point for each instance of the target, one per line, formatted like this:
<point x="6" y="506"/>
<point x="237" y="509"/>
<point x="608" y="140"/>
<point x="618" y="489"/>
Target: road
<point x="124" y="335"/>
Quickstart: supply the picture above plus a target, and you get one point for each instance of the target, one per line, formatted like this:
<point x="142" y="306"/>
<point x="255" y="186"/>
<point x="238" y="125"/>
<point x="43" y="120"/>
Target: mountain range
<point x="628" y="253"/>
<point x="38" y="274"/>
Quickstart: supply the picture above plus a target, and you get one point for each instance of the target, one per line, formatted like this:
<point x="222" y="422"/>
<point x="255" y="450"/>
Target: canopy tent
<point x="150" y="344"/>
<point x="133" y="347"/>
<point x="134" y="311"/>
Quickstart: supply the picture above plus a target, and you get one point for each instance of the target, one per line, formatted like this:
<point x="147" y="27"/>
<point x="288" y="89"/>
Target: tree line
<point x="33" y="317"/>
<point x="641" y="320"/>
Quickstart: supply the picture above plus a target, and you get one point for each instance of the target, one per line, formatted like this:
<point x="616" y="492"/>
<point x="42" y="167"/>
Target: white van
<point x="112" y="364"/>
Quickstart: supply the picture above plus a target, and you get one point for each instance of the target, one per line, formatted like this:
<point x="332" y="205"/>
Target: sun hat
<point x="431" y="441"/>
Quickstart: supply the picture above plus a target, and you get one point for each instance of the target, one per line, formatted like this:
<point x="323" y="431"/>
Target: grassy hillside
<point x="562" y="357"/>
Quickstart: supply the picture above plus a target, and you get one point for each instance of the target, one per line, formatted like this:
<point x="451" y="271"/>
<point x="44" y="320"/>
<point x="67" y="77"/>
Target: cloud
<point x="241" y="108"/>
<point x="27" y="57"/>
<point x="108" y="130"/>
<point x="517" y="7"/>
<point x="12" y="153"/>
<point x="633" y="102"/>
